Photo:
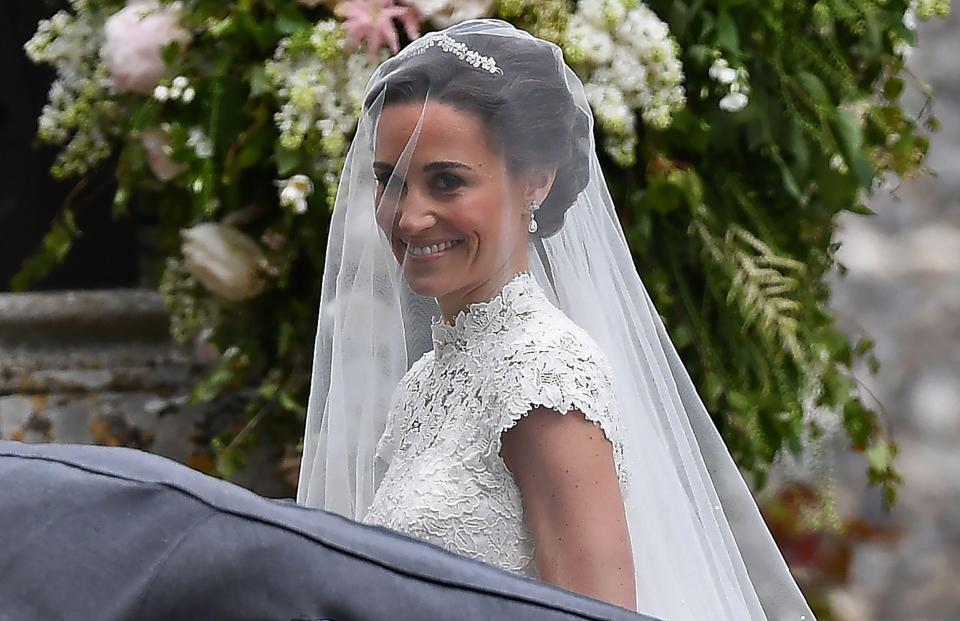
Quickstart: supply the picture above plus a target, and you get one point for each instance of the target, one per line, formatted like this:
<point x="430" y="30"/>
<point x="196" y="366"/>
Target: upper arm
<point x="564" y="466"/>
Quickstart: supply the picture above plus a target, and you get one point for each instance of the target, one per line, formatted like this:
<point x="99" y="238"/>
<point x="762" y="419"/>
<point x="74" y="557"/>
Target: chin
<point x="427" y="285"/>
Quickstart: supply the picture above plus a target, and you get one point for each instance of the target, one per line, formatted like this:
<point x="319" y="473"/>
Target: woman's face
<point x="455" y="216"/>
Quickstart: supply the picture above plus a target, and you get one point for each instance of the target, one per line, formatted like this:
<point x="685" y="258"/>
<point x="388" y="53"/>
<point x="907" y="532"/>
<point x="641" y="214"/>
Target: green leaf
<point x="815" y="89"/>
<point x="861" y="209"/>
<point x="54" y="248"/>
<point x="259" y="83"/>
<point x="287" y="160"/>
<point x="290" y="20"/>
<point x="850" y="137"/>
<point x="879" y="456"/>
<point x="892" y="88"/>
<point x="727" y="35"/>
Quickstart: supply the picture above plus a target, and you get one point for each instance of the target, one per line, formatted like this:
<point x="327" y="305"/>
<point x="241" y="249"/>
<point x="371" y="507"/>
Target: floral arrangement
<point x="733" y="133"/>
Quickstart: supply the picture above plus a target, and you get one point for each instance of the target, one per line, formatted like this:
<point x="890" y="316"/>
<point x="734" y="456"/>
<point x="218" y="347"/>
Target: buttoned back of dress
<point x="445" y="482"/>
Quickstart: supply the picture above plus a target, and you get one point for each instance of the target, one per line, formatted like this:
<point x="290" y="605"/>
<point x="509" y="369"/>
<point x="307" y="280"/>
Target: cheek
<point x="487" y="217"/>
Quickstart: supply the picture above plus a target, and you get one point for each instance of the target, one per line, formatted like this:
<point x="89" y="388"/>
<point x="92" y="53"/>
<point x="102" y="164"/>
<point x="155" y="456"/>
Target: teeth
<point x="419" y="251"/>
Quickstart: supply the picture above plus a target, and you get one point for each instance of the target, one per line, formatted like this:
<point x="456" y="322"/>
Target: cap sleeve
<point x="564" y="371"/>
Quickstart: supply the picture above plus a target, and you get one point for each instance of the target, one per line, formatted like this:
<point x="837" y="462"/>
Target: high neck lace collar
<point x="516" y="298"/>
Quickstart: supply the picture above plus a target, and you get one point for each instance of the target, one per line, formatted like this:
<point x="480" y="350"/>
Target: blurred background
<point x="903" y="289"/>
<point x="85" y="354"/>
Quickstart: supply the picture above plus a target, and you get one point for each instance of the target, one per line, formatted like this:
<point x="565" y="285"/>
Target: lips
<point x="431" y="249"/>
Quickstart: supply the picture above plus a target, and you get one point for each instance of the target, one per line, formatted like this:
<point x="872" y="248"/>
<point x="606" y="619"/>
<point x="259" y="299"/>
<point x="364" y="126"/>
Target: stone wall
<point x="903" y="290"/>
<point x="98" y="367"/>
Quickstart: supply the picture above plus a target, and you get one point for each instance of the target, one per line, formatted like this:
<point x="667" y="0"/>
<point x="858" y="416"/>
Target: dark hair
<point x="528" y="110"/>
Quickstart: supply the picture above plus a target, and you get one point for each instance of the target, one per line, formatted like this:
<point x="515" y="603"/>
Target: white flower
<point x="320" y="93"/>
<point x="224" y="260"/>
<point x="594" y="44"/>
<point x="733" y="102"/>
<point x="188" y="95"/>
<point x="80" y="114"/>
<point x="910" y="17"/>
<point x="200" y="143"/>
<point x="627" y="59"/>
<point x="133" y="39"/>
<point x="161" y="93"/>
<point x="723" y="75"/>
<point x="294" y="192"/>
<point x="180" y="82"/>
<point x="903" y="49"/>
<point x="837" y="163"/>
<point x="602" y="13"/>
<point x="443" y="13"/>
<point x="156" y="143"/>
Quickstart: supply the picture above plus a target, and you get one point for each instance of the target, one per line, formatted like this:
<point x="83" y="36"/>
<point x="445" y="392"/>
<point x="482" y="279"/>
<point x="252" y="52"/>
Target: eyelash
<point x="457" y="182"/>
<point x="453" y="182"/>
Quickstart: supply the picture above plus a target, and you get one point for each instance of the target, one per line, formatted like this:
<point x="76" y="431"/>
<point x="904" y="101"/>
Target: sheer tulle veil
<point x="701" y="549"/>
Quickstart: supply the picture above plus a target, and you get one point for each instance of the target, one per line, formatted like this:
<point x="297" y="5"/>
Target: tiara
<point x="447" y="43"/>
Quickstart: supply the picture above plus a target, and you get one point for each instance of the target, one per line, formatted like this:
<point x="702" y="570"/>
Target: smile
<point x="423" y="251"/>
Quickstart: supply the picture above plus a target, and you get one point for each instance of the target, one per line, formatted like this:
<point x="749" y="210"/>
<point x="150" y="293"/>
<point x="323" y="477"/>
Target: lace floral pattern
<point x="446" y="482"/>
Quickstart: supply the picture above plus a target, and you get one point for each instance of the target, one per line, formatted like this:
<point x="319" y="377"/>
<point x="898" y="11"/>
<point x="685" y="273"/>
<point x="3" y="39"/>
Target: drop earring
<point x="532" y="227"/>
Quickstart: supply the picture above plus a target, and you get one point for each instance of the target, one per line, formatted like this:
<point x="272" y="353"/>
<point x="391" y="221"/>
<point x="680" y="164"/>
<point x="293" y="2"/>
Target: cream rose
<point x="133" y="39"/>
<point x="156" y="143"/>
<point x="224" y="260"/>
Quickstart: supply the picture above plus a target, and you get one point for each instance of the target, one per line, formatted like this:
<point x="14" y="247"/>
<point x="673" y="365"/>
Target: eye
<point x="446" y="182"/>
<point x="382" y="182"/>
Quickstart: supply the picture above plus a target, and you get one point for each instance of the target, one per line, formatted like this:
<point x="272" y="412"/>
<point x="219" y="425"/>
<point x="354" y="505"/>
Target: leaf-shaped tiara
<point x="446" y="43"/>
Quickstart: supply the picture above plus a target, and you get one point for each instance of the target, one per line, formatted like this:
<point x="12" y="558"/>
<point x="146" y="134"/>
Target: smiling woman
<point x="458" y="223"/>
<point x="490" y="374"/>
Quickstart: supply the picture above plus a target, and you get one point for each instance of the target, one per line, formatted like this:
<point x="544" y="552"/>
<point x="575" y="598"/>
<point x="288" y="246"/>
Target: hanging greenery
<point x="733" y="135"/>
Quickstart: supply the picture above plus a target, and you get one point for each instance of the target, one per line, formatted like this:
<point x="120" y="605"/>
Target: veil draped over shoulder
<point x="701" y="549"/>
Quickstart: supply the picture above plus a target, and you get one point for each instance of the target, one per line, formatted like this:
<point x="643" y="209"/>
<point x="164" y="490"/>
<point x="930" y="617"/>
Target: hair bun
<point x="572" y="176"/>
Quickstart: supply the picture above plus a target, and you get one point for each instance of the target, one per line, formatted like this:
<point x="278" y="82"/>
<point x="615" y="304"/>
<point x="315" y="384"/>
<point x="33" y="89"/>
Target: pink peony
<point x="157" y="145"/>
<point x="372" y="21"/>
<point x="133" y="39"/>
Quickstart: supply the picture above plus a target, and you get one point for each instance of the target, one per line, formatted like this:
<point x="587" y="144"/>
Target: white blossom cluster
<point x="178" y="90"/>
<point x="919" y="9"/>
<point x="734" y="82"/>
<point x="79" y="113"/>
<point x="201" y="144"/>
<point x="628" y="62"/>
<point x="320" y="84"/>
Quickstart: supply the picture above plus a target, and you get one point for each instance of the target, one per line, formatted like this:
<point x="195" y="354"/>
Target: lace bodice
<point x="446" y="482"/>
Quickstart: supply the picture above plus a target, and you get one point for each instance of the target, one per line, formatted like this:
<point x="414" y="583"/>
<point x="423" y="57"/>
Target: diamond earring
<point x="534" y="205"/>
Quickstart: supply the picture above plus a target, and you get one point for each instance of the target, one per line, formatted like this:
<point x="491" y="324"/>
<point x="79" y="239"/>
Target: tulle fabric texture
<point x="701" y="549"/>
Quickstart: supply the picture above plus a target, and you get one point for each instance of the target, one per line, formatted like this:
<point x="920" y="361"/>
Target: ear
<point x="538" y="184"/>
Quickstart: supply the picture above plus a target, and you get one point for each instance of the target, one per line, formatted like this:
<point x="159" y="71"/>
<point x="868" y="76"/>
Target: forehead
<point x="447" y="133"/>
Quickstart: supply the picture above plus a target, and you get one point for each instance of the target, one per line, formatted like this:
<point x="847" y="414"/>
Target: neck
<point x="456" y="301"/>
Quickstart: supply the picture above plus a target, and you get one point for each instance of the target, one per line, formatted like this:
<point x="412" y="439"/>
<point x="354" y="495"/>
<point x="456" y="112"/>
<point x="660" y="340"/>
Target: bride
<point x="490" y="374"/>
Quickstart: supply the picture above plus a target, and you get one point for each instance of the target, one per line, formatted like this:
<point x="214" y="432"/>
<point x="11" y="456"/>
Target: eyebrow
<point x="439" y="165"/>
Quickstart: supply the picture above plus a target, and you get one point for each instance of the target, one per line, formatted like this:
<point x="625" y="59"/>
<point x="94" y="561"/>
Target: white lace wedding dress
<point x="446" y="482"/>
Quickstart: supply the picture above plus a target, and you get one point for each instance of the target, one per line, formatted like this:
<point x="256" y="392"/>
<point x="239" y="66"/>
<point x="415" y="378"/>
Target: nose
<point x="414" y="216"/>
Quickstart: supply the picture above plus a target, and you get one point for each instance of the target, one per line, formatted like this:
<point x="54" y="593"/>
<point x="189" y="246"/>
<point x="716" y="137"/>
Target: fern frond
<point x="760" y="280"/>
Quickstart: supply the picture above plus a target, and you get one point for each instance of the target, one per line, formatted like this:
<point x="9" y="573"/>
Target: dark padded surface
<point x="99" y="533"/>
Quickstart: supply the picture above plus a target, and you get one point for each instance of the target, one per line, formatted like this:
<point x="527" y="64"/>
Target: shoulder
<point x="552" y="341"/>
<point x="555" y="366"/>
<point x="553" y="363"/>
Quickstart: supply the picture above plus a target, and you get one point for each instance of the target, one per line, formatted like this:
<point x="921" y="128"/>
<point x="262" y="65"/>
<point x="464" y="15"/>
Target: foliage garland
<point x="756" y="124"/>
